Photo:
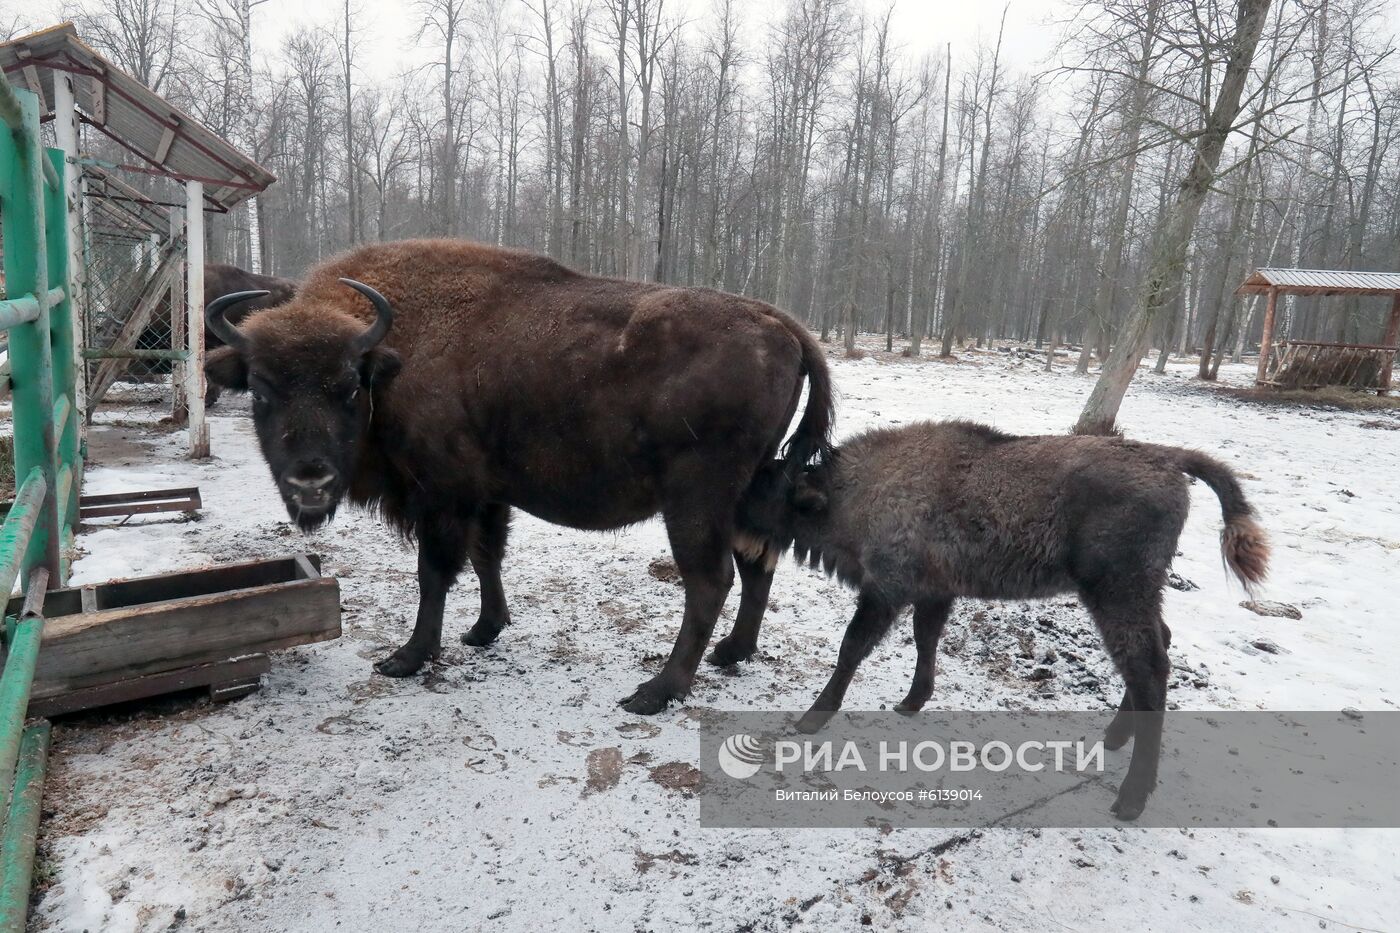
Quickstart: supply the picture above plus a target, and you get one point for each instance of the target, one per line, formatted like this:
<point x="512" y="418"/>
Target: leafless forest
<point x="1113" y="195"/>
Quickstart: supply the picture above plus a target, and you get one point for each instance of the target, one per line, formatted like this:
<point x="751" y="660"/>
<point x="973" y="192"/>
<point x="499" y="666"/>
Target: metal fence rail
<point x="36" y="537"/>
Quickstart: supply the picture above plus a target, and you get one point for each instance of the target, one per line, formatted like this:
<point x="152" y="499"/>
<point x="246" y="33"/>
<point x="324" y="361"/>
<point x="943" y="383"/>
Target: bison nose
<point x="315" y="484"/>
<point x="311" y="481"/>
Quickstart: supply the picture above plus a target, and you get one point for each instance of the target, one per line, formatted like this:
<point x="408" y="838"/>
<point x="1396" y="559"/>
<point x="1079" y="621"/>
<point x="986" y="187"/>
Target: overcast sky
<point x="389" y="26"/>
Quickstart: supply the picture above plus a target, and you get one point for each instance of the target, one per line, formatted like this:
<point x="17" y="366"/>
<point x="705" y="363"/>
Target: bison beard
<point x="507" y="380"/>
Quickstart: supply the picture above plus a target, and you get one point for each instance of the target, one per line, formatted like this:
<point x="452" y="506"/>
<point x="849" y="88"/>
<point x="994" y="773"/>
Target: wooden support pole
<point x="65" y="125"/>
<point x="1266" y="339"/>
<point x="194" y="309"/>
<point x="179" y="410"/>
<point x="1392" y="336"/>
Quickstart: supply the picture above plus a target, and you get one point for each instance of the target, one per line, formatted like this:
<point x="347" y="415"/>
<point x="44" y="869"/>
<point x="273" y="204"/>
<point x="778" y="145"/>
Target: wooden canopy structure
<point x="73" y="86"/>
<point x="160" y="139"/>
<point x="1312" y="363"/>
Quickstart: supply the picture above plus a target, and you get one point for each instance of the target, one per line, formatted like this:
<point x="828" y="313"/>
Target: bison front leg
<point x="488" y="548"/>
<point x="441" y="556"/>
<point x="867" y="627"/>
<point x="700" y="545"/>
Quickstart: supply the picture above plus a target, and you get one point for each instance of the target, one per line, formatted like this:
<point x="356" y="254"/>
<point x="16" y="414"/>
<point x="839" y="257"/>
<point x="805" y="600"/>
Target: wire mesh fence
<point x="132" y="265"/>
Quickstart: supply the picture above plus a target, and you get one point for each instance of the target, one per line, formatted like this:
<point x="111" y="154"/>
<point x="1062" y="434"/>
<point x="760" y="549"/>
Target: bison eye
<point x="258" y="397"/>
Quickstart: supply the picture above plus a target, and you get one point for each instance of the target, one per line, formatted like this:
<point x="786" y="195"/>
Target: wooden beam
<point x="194" y="319"/>
<point x="99" y="101"/>
<point x="1266" y="339"/>
<point x="167" y="139"/>
<point x="225" y="680"/>
<point x="31" y="77"/>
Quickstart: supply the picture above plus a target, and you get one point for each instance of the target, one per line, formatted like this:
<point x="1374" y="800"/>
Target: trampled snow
<point x="335" y="798"/>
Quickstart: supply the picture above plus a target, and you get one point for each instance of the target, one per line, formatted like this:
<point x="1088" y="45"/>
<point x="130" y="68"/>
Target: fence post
<point x="194" y="308"/>
<point x="65" y="347"/>
<point x="179" y="370"/>
<point x="1266" y="339"/>
<point x="31" y="369"/>
<point x="1392" y="335"/>
<point x="65" y="125"/>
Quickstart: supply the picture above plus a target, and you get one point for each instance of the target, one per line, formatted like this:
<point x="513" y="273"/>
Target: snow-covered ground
<point x="506" y="786"/>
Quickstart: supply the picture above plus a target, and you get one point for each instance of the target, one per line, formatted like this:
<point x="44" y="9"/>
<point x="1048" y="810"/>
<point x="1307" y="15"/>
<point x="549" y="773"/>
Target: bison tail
<point x="1243" y="544"/>
<point x="812" y="438"/>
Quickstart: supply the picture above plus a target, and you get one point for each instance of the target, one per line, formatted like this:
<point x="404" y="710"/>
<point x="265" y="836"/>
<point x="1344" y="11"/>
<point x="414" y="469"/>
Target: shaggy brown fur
<point x="508" y="380"/>
<point x="929" y="513"/>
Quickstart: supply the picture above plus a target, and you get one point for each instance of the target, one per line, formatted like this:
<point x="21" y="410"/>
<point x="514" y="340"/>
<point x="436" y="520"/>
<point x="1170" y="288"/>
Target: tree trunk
<point x="1164" y="271"/>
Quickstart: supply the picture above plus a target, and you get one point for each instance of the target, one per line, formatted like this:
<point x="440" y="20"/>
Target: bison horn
<point x="215" y="321"/>
<point x="384" y="316"/>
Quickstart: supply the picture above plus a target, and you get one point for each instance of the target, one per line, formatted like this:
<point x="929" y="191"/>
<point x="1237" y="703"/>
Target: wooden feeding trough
<point x="132" y="639"/>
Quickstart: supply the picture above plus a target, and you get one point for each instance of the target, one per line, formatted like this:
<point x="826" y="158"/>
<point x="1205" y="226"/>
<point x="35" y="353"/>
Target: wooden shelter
<point x="75" y="86"/>
<point x="1308" y="364"/>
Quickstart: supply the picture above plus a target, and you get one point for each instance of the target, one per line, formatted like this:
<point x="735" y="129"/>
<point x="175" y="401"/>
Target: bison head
<point x="311" y="371"/>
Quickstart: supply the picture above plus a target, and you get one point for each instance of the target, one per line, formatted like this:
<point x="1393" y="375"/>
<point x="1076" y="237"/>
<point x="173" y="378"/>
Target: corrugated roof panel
<point x="135" y="116"/>
<point x="1322" y="281"/>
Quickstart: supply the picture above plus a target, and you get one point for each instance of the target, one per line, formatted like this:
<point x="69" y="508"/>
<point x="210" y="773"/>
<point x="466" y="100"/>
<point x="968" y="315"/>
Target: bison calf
<point x="932" y="512"/>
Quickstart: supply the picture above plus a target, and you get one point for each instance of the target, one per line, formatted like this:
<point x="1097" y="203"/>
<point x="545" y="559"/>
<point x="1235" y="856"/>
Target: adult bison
<point x="465" y="380"/>
<point x="221" y="279"/>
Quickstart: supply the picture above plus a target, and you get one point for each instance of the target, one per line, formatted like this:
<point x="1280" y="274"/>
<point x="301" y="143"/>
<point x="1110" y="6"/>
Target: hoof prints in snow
<point x="505" y="786"/>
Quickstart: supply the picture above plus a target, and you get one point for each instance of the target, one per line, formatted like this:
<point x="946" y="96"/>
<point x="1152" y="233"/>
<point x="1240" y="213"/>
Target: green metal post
<point x="18" y="529"/>
<point x="31" y="357"/>
<point x="38" y="527"/>
<point x="61" y="331"/>
<point x="15" y="683"/>
<point x="22" y="828"/>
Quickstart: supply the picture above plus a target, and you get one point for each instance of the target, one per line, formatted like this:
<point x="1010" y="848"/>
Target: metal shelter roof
<point x="161" y="139"/>
<point x="1320" y="282"/>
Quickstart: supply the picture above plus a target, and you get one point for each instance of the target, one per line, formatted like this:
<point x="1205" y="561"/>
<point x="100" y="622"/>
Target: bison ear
<point x="807" y="496"/>
<point x="380" y="364"/>
<point x="225" y="368"/>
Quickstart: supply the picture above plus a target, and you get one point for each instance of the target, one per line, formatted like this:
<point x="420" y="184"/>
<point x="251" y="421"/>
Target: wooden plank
<point x="1349" y="346"/>
<point x="96" y="648"/>
<point x="221" y="578"/>
<point x="140" y="504"/>
<point x="166" y="140"/>
<point x="99" y="100"/>
<point x="222" y="678"/>
<point x="141" y="495"/>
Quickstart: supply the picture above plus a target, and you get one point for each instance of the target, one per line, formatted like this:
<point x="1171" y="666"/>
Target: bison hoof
<point x="813" y="720"/>
<point x="1118" y="733"/>
<point x="729" y="651"/>
<point x="650" y="698"/>
<point x="909" y="706"/>
<point x="402" y="663"/>
<point x="482" y="634"/>
<point x="1130" y="804"/>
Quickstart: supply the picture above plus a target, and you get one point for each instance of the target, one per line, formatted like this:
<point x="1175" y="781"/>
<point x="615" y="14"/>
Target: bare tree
<point x="1162" y="280"/>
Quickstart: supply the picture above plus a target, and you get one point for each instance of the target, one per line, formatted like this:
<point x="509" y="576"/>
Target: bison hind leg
<point x="755" y="580"/>
<point x="930" y="615"/>
<point x="700" y="525"/>
<point x="486" y="546"/>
